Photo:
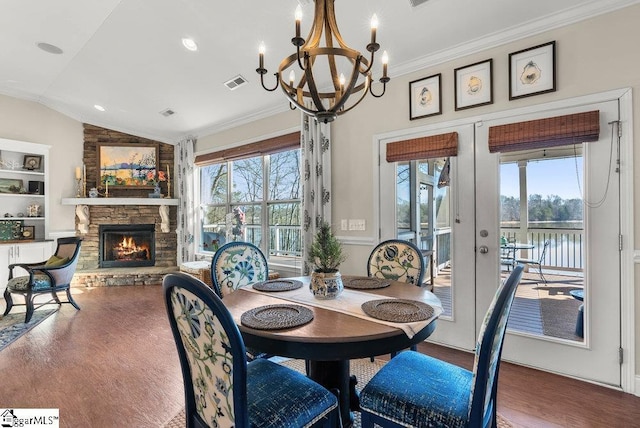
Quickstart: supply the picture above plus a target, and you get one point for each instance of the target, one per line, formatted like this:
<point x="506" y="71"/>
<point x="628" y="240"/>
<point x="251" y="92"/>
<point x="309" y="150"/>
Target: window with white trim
<point x="266" y="189"/>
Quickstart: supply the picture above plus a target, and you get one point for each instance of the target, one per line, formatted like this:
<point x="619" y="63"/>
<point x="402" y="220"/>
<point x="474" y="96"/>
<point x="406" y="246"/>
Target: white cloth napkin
<point x="350" y="301"/>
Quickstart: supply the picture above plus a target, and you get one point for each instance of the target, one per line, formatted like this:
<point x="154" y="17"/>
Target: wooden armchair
<point x="49" y="276"/>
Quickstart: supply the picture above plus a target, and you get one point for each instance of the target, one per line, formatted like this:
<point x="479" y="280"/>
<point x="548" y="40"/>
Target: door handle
<point x="483" y="249"/>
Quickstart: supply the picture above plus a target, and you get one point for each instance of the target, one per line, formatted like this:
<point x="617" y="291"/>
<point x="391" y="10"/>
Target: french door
<point x="596" y="357"/>
<point x="452" y="228"/>
<point x="475" y="274"/>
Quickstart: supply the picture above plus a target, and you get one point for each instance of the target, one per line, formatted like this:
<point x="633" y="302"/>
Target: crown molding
<point x="547" y="23"/>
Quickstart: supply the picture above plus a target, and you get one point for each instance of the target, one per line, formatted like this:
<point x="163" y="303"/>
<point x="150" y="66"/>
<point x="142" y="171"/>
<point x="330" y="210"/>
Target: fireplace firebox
<point x="127" y="245"/>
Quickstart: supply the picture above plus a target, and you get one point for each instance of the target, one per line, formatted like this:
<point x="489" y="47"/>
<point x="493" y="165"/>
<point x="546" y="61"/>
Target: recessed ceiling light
<point x="98" y="107"/>
<point x="190" y="44"/>
<point x="52" y="49"/>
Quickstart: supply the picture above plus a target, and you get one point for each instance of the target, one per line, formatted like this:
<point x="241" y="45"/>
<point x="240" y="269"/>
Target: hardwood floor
<point x="114" y="363"/>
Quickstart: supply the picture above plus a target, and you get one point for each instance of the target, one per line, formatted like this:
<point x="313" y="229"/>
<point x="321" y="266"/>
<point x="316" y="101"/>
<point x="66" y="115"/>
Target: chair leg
<point x="28" y="300"/>
<point x="541" y="275"/>
<point x="73" y="302"/>
<point x="9" y="300"/>
<point x="55" y="297"/>
<point x="335" y="418"/>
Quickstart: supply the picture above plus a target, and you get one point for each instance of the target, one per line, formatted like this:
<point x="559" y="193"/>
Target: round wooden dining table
<point x="333" y="338"/>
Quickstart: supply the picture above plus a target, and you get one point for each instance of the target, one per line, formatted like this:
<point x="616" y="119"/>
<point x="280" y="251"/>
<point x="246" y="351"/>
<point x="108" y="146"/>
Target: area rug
<point x="559" y="309"/>
<point x="12" y="326"/>
<point x="364" y="370"/>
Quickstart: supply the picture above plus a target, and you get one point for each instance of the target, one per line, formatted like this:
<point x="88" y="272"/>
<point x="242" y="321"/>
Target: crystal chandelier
<point x="331" y="60"/>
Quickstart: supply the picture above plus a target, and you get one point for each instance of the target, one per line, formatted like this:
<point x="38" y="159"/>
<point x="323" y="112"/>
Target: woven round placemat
<point x="278" y="285"/>
<point x="364" y="282"/>
<point x="276" y="317"/>
<point x="397" y="310"/>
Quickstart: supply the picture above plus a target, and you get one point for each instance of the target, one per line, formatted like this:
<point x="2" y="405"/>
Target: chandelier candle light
<point x="325" y="106"/>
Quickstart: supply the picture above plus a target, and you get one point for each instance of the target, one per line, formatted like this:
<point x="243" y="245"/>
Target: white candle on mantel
<point x="78" y="173"/>
<point x="168" y="173"/>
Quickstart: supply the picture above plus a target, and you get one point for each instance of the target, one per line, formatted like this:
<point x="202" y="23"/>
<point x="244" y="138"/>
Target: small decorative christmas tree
<point x="326" y="252"/>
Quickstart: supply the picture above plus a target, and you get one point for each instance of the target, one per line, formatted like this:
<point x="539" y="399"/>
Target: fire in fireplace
<point x="129" y="245"/>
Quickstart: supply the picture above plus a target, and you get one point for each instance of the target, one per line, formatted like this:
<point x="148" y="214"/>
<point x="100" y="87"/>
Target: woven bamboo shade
<point x="435" y="146"/>
<point x="542" y="133"/>
<point x="259" y="148"/>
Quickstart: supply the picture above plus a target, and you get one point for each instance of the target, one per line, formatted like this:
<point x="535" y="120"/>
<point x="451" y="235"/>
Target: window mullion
<point x="266" y="233"/>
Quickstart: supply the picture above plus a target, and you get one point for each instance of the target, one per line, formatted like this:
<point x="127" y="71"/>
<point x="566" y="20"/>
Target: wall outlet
<point x="356" y="224"/>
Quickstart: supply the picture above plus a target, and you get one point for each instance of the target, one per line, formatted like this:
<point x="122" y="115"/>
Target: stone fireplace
<point x="131" y="217"/>
<point x="126" y="207"/>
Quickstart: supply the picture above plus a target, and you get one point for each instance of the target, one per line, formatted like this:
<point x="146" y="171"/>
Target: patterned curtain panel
<point x="184" y="158"/>
<point x="316" y="194"/>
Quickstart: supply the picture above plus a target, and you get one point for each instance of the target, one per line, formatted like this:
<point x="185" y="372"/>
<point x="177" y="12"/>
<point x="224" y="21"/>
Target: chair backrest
<point x="397" y="260"/>
<point x="236" y="264"/>
<point x="488" y="352"/>
<point x="69" y="248"/>
<point x="544" y="251"/>
<point x="211" y="352"/>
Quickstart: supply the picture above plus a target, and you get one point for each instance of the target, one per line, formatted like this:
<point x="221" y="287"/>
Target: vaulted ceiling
<point x="127" y="55"/>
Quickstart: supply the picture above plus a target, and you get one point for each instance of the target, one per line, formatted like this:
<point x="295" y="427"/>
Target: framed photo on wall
<point x="425" y="97"/>
<point x="532" y="71"/>
<point x="127" y="165"/>
<point x="474" y="85"/>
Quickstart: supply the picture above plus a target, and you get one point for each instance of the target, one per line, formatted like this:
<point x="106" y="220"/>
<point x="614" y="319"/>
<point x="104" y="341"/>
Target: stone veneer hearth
<point x="166" y="243"/>
<point x="88" y="274"/>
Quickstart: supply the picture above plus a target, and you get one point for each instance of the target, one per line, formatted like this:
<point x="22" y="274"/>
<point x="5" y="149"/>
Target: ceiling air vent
<point x="235" y="82"/>
<point x="168" y="112"/>
<point x="415" y="3"/>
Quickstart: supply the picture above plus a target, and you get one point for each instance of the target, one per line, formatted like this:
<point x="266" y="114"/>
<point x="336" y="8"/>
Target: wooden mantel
<point x="82" y="208"/>
<point x="119" y="201"/>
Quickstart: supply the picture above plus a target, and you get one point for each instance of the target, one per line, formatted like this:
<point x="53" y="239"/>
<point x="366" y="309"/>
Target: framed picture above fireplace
<point x="124" y="165"/>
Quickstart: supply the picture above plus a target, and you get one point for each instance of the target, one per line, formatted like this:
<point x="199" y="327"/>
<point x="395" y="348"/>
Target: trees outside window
<point x="267" y="189"/>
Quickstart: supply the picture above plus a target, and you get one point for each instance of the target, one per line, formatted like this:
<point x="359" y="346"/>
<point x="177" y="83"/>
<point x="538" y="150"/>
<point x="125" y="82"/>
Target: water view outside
<point x="554" y="209"/>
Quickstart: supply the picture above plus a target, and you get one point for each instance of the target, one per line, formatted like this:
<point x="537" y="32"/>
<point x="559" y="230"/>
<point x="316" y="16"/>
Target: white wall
<point x="32" y="122"/>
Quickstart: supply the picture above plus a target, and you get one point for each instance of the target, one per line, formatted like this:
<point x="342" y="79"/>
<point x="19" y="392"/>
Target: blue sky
<point x="547" y="177"/>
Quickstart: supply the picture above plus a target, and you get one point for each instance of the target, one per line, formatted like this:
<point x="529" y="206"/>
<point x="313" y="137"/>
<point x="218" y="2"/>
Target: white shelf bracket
<point x="164" y="215"/>
<point x="82" y="212"/>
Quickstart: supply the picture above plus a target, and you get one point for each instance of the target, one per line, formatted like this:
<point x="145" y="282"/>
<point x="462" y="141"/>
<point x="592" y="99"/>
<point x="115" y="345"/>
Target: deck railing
<point x="565" y="251"/>
<point x="283" y="240"/>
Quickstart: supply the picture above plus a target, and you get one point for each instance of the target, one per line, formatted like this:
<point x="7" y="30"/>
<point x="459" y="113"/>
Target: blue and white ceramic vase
<point x="156" y="189"/>
<point x="325" y="285"/>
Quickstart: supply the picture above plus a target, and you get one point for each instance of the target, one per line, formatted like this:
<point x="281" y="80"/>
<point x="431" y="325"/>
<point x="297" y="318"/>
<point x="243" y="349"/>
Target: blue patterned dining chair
<point x="397" y="260"/>
<point x="236" y="264"/>
<point x="416" y="390"/>
<point x="221" y="388"/>
<point x="46" y="277"/>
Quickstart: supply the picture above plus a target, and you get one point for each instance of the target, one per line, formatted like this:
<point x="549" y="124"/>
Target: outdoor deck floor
<point x="538" y="309"/>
